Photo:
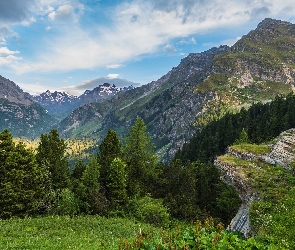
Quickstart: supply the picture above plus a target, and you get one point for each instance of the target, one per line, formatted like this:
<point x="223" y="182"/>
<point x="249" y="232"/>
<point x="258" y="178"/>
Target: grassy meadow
<point x="64" y="232"/>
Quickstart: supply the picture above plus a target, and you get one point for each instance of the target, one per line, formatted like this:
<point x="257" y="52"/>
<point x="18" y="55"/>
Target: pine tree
<point x="88" y="191"/>
<point x="51" y="156"/>
<point x="109" y="149"/>
<point x="22" y="181"/>
<point x="243" y="137"/>
<point x="117" y="183"/>
<point x="140" y="158"/>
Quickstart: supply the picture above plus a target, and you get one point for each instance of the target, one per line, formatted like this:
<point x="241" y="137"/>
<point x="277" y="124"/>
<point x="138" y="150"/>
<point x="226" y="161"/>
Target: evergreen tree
<point x="88" y="191"/>
<point x="140" y="158"/>
<point x="243" y="137"/>
<point x="90" y="177"/>
<point x="109" y="149"/>
<point x="51" y="156"/>
<point x="78" y="169"/>
<point x="21" y="180"/>
<point x="117" y="183"/>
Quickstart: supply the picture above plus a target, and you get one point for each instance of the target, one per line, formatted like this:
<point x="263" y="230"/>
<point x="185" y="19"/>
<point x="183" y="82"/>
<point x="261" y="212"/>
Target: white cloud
<point x="169" y="48"/>
<point x="48" y="27"/>
<point x="114" y="66"/>
<point x="138" y="28"/>
<point x="6" y="60"/>
<point x="188" y="41"/>
<point x="6" y="51"/>
<point x="64" y="13"/>
<point x="113" y="76"/>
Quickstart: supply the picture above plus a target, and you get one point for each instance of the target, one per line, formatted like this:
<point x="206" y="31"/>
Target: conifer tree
<point x="140" y="158"/>
<point x="89" y="190"/>
<point x="109" y="149"/>
<point x="21" y="180"/>
<point x="117" y="183"/>
<point x="51" y="156"/>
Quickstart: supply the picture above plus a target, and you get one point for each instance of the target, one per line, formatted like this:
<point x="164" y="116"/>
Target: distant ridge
<point x="61" y="104"/>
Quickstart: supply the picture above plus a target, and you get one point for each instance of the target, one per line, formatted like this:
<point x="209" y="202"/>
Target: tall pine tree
<point x="109" y="149"/>
<point x="21" y="180"/>
<point x="140" y="158"/>
<point x="51" y="156"/>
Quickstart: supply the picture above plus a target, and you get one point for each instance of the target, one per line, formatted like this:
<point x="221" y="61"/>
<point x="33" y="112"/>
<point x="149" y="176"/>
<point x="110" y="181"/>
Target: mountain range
<point x="202" y="88"/>
<point x="61" y="104"/>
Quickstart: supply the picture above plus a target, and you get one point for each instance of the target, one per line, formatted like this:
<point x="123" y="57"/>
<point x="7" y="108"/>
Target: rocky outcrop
<point x="231" y="176"/>
<point x="282" y="152"/>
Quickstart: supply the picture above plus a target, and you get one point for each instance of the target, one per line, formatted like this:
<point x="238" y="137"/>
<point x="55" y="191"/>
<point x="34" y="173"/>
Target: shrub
<point x="149" y="210"/>
<point x="68" y="203"/>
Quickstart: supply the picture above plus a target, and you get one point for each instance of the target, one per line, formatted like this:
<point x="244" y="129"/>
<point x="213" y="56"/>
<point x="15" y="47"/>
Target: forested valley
<point x="124" y="179"/>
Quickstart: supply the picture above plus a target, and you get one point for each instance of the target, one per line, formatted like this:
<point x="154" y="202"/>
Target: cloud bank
<point x="134" y="29"/>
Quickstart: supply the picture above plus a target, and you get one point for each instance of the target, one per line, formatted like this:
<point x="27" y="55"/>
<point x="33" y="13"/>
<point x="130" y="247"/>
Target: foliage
<point x="51" y="156"/>
<point x="262" y="122"/>
<point x="149" y="210"/>
<point x="117" y="183"/>
<point x="140" y="159"/>
<point x="109" y="149"/>
<point x="21" y="180"/>
<point x="243" y="137"/>
<point x="88" y="190"/>
<point x="192" y="190"/>
<point x="195" y="236"/>
<point x="68" y="203"/>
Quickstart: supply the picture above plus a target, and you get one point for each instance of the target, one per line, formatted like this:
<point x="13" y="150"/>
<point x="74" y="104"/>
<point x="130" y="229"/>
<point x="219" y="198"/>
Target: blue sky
<point x="67" y="44"/>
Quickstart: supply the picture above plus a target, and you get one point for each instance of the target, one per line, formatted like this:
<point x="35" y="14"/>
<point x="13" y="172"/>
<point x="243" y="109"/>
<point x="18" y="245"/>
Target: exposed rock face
<point x="232" y="177"/>
<point x="13" y="93"/>
<point x="282" y="152"/>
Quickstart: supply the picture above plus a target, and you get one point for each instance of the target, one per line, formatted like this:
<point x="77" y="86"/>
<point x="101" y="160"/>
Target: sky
<point x="74" y="45"/>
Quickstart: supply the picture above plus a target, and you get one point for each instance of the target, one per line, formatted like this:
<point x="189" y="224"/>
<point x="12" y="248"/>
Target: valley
<point x="210" y="142"/>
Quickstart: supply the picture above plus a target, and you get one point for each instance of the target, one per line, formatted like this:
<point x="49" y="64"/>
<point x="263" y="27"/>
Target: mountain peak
<point x="270" y="23"/>
<point x="12" y="92"/>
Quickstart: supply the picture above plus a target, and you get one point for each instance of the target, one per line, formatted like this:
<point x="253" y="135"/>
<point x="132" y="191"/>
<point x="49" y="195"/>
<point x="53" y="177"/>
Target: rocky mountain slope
<point x="61" y="104"/>
<point x="19" y="114"/>
<point x="201" y="88"/>
<point x="168" y="106"/>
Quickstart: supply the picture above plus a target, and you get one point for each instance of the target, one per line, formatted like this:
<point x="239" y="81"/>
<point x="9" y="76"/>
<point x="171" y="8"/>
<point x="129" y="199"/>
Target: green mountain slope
<point x="19" y="114"/>
<point x="201" y="88"/>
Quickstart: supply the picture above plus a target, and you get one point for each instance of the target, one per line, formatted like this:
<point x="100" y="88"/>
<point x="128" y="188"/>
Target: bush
<point x="149" y="210"/>
<point x="68" y="203"/>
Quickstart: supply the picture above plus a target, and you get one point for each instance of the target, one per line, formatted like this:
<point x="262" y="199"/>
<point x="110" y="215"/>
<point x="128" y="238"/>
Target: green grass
<point x="273" y="217"/>
<point x="62" y="232"/>
<point x="252" y="148"/>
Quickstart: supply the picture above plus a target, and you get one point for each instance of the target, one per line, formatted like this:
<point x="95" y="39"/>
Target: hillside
<point x="19" y="114"/>
<point x="264" y="178"/>
<point x="201" y="88"/>
<point x="167" y="105"/>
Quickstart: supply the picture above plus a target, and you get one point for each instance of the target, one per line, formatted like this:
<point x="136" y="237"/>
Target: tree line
<point x="123" y="178"/>
<point x="261" y="122"/>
